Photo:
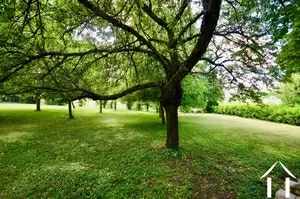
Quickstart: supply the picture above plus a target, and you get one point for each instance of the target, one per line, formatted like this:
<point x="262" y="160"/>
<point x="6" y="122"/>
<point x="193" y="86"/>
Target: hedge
<point x="280" y="114"/>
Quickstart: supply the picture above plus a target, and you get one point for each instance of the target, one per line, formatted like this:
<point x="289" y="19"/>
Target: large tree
<point x="155" y="43"/>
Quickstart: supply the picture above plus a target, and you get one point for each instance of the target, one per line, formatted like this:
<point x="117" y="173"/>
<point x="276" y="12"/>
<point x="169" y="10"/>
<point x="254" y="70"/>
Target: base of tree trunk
<point x="172" y="127"/>
<point x="70" y="110"/>
<point x="38" y="104"/>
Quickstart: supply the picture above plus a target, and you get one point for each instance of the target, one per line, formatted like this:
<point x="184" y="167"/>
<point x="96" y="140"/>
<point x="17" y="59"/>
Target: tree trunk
<point x="38" y="103"/>
<point x="172" y="126"/>
<point x="111" y="104"/>
<point x="147" y="106"/>
<point x="162" y="115"/>
<point x="170" y="102"/>
<point x="70" y="110"/>
<point x="100" y="106"/>
<point x="115" y="105"/>
<point x="160" y="110"/>
<point x="129" y="105"/>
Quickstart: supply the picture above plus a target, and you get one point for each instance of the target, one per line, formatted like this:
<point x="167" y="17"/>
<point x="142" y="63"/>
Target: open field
<point x="120" y="154"/>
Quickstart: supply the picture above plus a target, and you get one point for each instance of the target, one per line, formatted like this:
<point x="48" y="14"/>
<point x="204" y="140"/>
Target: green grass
<point x="120" y="154"/>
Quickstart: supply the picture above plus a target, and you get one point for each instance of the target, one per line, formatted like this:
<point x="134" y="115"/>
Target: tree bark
<point x="70" y="110"/>
<point x="172" y="126"/>
<point x="171" y="103"/>
<point x="147" y="106"/>
<point x="100" y="106"/>
<point x="38" y="103"/>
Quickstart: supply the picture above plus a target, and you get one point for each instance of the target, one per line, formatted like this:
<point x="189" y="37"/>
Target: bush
<point x="280" y="114"/>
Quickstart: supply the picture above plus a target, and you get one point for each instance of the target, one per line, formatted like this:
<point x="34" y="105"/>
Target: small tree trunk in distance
<point x="100" y="106"/>
<point x="38" y="103"/>
<point x="160" y="110"/>
<point x="128" y="105"/>
<point x="162" y="115"/>
<point x="147" y="106"/>
<point x="156" y="109"/>
<point x="139" y="106"/>
<point x="70" y="110"/>
<point x="115" y="105"/>
<point x="104" y="103"/>
<point x="111" y="104"/>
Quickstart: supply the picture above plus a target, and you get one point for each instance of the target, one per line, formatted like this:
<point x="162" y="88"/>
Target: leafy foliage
<point x="201" y="92"/>
<point x="289" y="58"/>
<point x="280" y="114"/>
<point x="289" y="92"/>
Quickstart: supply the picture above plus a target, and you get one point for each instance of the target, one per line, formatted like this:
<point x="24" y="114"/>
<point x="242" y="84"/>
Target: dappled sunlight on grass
<point x="120" y="154"/>
<point x="72" y="166"/>
<point x="158" y="145"/>
<point x="14" y="136"/>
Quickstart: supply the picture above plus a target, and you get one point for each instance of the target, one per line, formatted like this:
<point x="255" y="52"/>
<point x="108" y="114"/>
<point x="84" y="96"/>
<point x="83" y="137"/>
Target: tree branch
<point x="194" y="20"/>
<point x="209" y="23"/>
<point x="182" y="8"/>
<point x="94" y="96"/>
<point x="94" y="9"/>
<point x="154" y="17"/>
<point x="30" y="58"/>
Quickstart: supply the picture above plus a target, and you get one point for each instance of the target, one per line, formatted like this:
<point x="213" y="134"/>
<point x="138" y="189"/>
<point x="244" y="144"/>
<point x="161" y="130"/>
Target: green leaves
<point x="280" y="114"/>
<point x="200" y="92"/>
<point x="289" y="92"/>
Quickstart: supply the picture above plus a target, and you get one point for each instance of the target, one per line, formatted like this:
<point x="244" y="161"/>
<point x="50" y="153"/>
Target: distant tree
<point x="289" y="92"/>
<point x="202" y="92"/>
<point x="81" y="102"/>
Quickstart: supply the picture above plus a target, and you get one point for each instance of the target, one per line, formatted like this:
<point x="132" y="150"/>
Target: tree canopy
<point x="289" y="58"/>
<point x="105" y="50"/>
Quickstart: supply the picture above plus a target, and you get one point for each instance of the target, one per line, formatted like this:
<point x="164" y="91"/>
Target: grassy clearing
<point x="120" y="154"/>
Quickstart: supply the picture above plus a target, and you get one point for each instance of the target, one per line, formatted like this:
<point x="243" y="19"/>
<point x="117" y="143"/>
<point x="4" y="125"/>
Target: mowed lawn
<point x="120" y="154"/>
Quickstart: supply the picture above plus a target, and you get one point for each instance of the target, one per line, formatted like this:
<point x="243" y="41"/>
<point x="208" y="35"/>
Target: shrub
<point x="280" y="114"/>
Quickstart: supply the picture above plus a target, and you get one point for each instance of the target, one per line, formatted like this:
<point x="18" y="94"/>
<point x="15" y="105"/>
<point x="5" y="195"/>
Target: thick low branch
<point x="30" y="58"/>
<point x="95" y="96"/>
<point x="87" y="93"/>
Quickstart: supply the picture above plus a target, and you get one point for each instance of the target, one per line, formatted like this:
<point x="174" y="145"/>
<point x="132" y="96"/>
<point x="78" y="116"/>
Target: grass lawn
<point x="120" y="154"/>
